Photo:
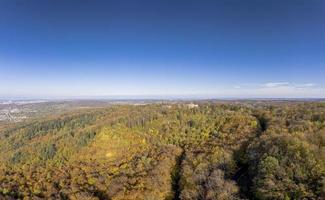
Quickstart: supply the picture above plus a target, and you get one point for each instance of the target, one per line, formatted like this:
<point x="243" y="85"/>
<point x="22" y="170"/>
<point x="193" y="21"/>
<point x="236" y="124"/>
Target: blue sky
<point x="225" y="48"/>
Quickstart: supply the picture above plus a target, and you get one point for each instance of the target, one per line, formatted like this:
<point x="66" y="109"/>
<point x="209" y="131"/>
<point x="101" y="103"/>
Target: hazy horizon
<point x="148" y="98"/>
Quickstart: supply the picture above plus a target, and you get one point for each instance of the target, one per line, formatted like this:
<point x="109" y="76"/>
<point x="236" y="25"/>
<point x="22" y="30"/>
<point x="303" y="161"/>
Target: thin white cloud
<point x="276" y="84"/>
<point x="305" y="85"/>
<point x="288" y="85"/>
<point x="278" y="89"/>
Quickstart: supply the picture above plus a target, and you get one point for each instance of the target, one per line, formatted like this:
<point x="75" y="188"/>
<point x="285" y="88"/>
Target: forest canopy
<point x="180" y="150"/>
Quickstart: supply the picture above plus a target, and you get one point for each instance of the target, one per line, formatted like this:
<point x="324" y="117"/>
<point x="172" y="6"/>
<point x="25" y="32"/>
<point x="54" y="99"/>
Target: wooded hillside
<point x="246" y="150"/>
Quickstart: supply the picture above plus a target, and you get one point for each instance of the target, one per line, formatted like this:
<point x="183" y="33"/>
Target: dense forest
<point x="169" y="151"/>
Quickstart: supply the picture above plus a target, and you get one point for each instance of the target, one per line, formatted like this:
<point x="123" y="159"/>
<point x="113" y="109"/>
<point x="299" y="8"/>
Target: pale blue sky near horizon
<point x="225" y="48"/>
